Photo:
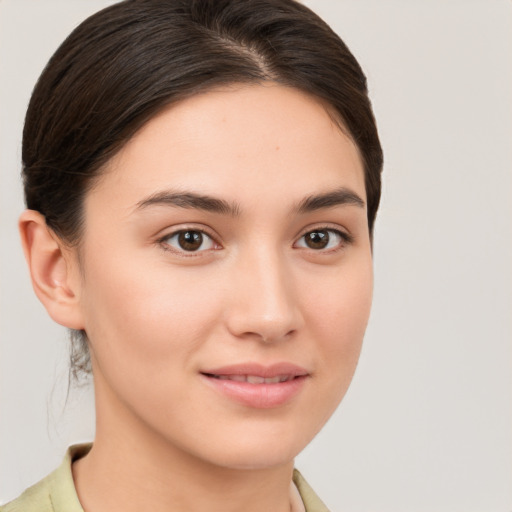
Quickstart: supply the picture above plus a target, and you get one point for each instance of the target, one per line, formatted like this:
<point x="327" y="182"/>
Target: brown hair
<point x="126" y="63"/>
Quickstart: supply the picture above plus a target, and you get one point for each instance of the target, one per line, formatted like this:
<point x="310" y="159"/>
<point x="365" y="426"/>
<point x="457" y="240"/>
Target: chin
<point x="258" y="448"/>
<point x="257" y="458"/>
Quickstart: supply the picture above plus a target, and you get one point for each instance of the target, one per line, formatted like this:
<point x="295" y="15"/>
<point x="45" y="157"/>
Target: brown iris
<point x="190" y="240"/>
<point x="317" y="239"/>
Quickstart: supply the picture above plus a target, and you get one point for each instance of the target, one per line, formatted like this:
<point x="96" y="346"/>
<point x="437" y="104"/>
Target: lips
<point x="258" y="370"/>
<point x="255" y="379"/>
<point x="256" y="385"/>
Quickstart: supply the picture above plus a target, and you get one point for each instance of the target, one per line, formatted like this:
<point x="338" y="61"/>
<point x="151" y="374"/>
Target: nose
<point x="263" y="303"/>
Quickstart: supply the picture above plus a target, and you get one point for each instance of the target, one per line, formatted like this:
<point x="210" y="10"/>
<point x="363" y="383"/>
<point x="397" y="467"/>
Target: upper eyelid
<point x="345" y="237"/>
<point x="171" y="231"/>
<point x="327" y="227"/>
<point x="163" y="242"/>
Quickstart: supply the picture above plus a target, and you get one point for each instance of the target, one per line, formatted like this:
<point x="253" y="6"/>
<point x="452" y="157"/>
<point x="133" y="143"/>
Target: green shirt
<point x="56" y="492"/>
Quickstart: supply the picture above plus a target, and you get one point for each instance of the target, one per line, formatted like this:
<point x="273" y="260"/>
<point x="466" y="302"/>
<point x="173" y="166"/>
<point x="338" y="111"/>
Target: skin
<point x="157" y="315"/>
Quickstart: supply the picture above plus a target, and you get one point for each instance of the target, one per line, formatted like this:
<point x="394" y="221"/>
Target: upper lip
<point x="259" y="370"/>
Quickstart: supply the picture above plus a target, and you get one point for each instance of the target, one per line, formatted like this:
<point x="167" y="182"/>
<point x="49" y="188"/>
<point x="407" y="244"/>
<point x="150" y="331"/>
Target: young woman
<point x="202" y="178"/>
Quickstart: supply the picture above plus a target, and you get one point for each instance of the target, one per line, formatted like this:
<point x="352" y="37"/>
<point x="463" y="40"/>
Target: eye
<point x="323" y="239"/>
<point x="189" y="240"/>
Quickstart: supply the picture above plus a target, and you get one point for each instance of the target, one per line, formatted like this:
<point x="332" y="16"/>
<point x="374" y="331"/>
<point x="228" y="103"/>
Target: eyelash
<point x="164" y="242"/>
<point x="345" y="239"/>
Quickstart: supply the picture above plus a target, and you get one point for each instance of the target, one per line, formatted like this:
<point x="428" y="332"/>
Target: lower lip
<point x="259" y="396"/>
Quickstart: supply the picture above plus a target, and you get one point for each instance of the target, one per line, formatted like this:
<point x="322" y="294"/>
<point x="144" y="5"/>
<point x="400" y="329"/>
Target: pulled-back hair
<point x="126" y="63"/>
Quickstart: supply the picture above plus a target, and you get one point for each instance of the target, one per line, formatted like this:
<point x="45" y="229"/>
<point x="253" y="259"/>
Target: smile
<point x="257" y="386"/>
<point x="255" y="379"/>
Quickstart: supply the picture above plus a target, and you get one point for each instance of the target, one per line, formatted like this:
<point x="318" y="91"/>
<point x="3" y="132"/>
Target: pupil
<point x="190" y="240"/>
<point x="317" y="239"/>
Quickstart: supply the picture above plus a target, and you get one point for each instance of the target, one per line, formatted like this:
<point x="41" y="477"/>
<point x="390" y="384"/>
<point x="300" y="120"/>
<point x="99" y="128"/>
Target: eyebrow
<point x="338" y="197"/>
<point x="192" y="200"/>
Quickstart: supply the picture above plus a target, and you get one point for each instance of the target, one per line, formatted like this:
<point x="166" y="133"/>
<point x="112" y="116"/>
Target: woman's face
<point x="226" y="277"/>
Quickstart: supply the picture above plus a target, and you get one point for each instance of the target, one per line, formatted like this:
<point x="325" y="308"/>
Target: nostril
<point x="272" y="338"/>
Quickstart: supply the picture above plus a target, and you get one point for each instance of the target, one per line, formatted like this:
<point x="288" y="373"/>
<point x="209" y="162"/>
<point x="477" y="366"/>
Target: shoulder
<point x="312" y="503"/>
<point x="34" y="499"/>
<point x="55" y="493"/>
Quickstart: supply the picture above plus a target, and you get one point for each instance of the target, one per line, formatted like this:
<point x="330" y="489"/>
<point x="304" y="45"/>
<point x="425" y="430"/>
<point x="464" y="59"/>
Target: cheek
<point x="340" y="313"/>
<point x="147" y="317"/>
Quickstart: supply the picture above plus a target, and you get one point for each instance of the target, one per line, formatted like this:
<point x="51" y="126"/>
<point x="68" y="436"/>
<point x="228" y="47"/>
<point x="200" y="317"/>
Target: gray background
<point x="427" y="423"/>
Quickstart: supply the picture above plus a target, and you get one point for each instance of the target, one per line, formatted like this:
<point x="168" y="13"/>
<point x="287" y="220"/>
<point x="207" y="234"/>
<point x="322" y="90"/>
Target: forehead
<point x="241" y="142"/>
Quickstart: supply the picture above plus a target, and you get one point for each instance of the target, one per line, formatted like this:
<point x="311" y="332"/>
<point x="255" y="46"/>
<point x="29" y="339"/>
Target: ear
<point x="53" y="270"/>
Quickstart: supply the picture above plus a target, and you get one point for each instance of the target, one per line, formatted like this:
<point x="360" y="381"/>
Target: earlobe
<point x="52" y="270"/>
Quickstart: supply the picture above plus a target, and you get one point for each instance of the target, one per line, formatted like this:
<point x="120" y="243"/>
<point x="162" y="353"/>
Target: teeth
<point x="238" y="378"/>
<point x="255" y="379"/>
